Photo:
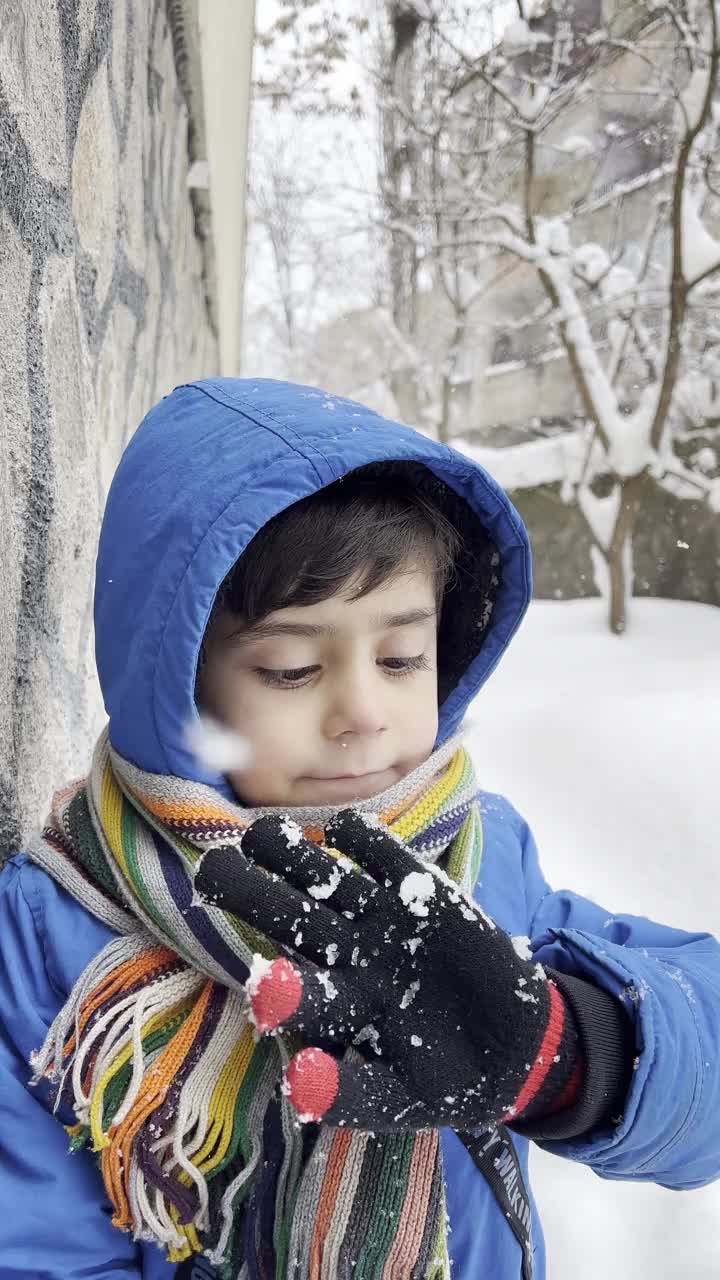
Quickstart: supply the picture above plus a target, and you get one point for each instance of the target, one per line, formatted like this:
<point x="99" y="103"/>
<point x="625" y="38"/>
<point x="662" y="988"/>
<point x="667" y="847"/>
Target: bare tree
<point x="477" y="193"/>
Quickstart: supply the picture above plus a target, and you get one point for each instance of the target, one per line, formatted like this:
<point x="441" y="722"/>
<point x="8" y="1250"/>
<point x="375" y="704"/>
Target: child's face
<point x="337" y="699"/>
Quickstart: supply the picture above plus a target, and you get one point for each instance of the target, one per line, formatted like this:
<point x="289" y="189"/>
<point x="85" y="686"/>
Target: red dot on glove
<point x="312" y="1083"/>
<point x="276" y="996"/>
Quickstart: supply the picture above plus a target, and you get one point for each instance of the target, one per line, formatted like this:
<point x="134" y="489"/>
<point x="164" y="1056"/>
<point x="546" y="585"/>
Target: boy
<point x="309" y="1008"/>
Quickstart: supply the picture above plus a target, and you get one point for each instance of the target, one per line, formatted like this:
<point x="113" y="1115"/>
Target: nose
<point x="356" y="707"/>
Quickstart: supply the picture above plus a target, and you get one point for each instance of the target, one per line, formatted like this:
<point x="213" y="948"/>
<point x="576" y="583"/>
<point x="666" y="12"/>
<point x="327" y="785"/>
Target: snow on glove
<point x="455" y="1026"/>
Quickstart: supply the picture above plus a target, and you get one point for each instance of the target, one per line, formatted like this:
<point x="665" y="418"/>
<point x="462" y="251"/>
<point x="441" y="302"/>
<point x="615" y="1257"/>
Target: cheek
<point x="417" y="716"/>
<point x="270" y="722"/>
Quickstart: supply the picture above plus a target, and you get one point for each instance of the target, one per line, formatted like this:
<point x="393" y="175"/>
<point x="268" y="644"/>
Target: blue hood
<point x="207" y="468"/>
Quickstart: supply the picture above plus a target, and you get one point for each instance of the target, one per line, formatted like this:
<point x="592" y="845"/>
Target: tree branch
<point x="678" y="284"/>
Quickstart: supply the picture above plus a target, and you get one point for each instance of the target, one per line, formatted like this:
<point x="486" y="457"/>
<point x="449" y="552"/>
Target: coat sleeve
<point x="669" y="982"/>
<point x="55" y="1219"/>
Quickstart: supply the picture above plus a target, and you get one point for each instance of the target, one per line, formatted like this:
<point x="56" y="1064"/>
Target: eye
<point x="287" y="678"/>
<point x="404" y="666"/>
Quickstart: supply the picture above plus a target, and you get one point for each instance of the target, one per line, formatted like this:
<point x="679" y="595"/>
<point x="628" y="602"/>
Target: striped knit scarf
<point x="155" y="1057"/>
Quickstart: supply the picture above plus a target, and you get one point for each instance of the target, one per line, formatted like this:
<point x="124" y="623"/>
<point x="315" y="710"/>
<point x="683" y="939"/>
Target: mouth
<point x="347" y="777"/>
<point x="344" y="786"/>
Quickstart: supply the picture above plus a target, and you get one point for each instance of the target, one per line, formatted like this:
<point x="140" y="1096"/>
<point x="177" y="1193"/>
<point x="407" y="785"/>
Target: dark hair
<point x="364" y="528"/>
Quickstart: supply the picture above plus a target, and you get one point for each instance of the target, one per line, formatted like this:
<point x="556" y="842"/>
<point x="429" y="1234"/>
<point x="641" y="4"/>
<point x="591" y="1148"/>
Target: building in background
<point x="122" y="179"/>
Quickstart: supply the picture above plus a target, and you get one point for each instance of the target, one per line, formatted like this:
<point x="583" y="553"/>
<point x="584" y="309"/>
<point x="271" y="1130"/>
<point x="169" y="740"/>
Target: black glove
<point x="454" y="1026"/>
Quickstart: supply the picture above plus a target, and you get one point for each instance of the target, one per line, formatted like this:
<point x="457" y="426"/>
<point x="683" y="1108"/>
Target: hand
<point x="456" y="1028"/>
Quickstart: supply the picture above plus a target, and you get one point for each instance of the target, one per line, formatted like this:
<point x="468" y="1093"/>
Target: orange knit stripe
<point x="186" y="810"/>
<point x="315" y="834"/>
<point x="116" y="1158"/>
<point x="118" y="980"/>
<point x="328" y="1198"/>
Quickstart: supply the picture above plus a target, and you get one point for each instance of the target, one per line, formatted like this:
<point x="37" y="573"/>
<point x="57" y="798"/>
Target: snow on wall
<point x="102" y="311"/>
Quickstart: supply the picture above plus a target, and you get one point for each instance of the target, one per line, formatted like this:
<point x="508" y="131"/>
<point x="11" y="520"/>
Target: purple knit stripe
<point x="259" y="1253"/>
<point x="443" y="829"/>
<point x="180" y="889"/>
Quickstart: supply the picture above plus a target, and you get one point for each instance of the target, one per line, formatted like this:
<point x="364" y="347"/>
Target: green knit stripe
<point x="388" y="1200"/>
<point x="86" y="846"/>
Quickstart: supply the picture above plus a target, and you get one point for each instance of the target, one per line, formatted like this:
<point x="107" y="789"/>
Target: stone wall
<point x="103" y="309"/>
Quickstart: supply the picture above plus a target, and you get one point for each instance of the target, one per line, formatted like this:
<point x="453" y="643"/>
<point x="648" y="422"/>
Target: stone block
<point x="95" y="191"/>
<point x="32" y="76"/>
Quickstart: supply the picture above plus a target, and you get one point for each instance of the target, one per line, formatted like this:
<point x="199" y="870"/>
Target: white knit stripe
<point x="50" y="1057"/>
<point x="120" y="1014"/>
<point x="344" y="1203"/>
<point x="151" y="1222"/>
<point x="231" y="1025"/>
<point x="75" y="883"/>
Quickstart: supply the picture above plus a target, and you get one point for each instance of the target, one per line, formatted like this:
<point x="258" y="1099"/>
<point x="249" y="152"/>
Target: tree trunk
<point x="618" y="579"/>
<point x="619" y="553"/>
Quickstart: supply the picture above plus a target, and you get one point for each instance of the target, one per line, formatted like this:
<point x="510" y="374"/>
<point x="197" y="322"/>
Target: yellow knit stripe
<point x="187" y="1230"/>
<point x="429" y="804"/>
<point x="111" y="803"/>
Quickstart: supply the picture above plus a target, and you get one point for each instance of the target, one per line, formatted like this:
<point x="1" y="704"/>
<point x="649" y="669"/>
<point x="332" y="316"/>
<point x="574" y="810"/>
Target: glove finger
<point x="227" y="879"/>
<point x="278" y="844"/>
<point x="351" y="1093"/>
<point x="363" y="838"/>
<point x="315" y="1002"/>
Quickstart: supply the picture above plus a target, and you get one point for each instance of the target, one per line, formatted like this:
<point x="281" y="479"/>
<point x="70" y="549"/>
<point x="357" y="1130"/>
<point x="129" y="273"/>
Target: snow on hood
<point x="207" y="468"/>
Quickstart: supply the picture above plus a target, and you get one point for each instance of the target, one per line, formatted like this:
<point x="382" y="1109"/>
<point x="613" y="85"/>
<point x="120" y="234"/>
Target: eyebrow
<point x="380" y="622"/>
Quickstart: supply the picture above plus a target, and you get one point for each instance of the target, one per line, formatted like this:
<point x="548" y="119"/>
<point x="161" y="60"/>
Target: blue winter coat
<point x="208" y="467"/>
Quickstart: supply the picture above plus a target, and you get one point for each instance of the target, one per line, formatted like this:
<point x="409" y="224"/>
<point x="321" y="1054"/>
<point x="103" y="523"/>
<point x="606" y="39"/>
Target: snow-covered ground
<point x="609" y="747"/>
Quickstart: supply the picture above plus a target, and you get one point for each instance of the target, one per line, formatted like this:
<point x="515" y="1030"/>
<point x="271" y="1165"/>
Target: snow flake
<point x="259" y="969"/>
<point x="416" y="891"/>
<point x="371" y="1034"/>
<point x="291" y="831"/>
<point x="329" y="987"/>
<point x="521" y="943"/>
<point x="216" y="746"/>
<point x="409" y="994"/>
<point x="326" y="890"/>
